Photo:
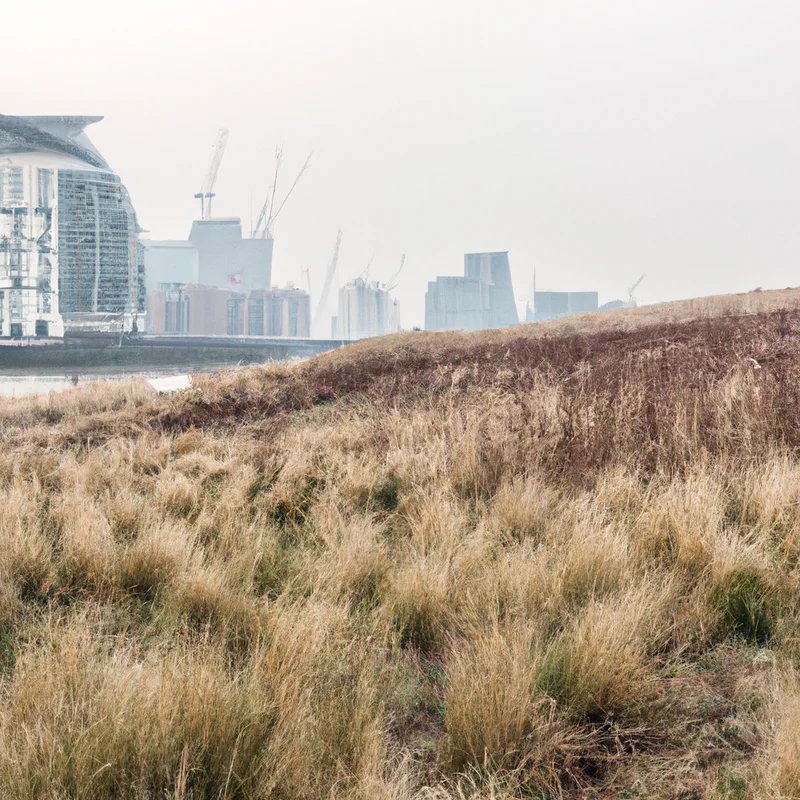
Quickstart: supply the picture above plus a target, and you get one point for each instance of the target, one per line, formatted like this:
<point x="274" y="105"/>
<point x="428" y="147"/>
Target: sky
<point x="593" y="141"/>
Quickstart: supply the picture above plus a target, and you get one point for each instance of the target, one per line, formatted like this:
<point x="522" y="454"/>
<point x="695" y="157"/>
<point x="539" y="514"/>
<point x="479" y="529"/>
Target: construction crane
<point x="632" y="289"/>
<point x="206" y="192"/>
<point x="365" y="274"/>
<point x="265" y="226"/>
<point x="326" y="287"/>
<point x="267" y="207"/>
<point x="394" y="280"/>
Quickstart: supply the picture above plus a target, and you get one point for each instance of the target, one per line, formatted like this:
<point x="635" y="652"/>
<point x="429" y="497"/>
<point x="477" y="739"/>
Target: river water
<point x="24" y="385"/>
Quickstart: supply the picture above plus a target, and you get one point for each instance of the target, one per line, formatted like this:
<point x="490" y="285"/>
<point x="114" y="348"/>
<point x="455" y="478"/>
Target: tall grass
<point x="508" y="565"/>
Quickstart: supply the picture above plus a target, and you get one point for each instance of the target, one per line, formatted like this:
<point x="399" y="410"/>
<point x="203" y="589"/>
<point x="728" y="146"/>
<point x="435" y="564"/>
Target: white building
<point x="69" y="253"/>
<point x="366" y="309"/>
<point x="170" y="261"/>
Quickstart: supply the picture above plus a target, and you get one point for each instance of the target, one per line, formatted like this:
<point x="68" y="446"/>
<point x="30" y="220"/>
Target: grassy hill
<point x="551" y="561"/>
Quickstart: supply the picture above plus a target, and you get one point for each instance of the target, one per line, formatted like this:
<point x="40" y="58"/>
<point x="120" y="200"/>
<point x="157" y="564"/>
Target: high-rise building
<point x="69" y="253"/>
<point x="366" y="309"/>
<point x="279" y="312"/>
<point x="483" y="298"/>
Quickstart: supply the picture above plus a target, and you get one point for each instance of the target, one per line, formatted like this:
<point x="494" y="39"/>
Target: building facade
<point x="279" y="312"/>
<point x="366" y="309"/>
<point x="69" y="253"/>
<point x="211" y="311"/>
<point x="483" y="298"/>
<point x="552" y="305"/>
<point x="188" y="308"/>
<point x="170" y="261"/>
<point x="225" y="258"/>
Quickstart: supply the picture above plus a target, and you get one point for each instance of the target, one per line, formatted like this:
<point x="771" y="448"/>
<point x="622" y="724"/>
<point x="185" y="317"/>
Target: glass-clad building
<point x="69" y="251"/>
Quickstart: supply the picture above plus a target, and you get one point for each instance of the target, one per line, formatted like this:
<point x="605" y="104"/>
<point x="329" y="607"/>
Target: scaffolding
<point x="28" y="264"/>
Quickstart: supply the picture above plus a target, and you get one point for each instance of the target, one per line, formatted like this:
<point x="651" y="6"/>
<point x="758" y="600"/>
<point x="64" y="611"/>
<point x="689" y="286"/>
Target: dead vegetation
<point x="542" y="563"/>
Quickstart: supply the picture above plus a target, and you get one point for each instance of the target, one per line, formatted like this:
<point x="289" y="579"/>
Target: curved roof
<point x="63" y="135"/>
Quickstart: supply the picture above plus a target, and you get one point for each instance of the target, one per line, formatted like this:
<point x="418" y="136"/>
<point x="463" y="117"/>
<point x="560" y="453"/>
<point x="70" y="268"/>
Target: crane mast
<point x="326" y="287"/>
<point x="206" y="192"/>
<point x="265" y="226"/>
<point x="268" y="203"/>
<point x="395" y="279"/>
<point x="632" y="289"/>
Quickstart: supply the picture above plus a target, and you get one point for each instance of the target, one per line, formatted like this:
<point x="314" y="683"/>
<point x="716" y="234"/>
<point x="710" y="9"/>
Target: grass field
<point x="551" y="561"/>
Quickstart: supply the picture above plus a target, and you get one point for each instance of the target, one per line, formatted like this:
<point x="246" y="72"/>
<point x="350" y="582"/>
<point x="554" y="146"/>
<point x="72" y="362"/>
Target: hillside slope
<point x="551" y="561"/>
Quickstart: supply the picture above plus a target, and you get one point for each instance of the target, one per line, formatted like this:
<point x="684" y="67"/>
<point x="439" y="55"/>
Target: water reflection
<point x="26" y="385"/>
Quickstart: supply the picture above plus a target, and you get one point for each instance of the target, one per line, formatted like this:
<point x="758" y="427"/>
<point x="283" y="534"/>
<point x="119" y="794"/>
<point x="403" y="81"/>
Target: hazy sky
<point x="592" y="140"/>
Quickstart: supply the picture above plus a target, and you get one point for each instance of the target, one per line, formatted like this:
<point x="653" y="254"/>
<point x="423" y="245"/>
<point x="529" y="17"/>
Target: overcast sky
<point x="592" y="140"/>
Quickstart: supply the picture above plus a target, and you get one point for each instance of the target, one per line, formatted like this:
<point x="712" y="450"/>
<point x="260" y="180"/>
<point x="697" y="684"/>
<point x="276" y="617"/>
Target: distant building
<point x="551" y="305"/>
<point x="236" y="323"/>
<point x="170" y="261"/>
<point x="453" y="303"/>
<point x="366" y="309"/>
<point x="188" y="308"/>
<point x="279" y="312"/>
<point x="214" y="256"/>
<point x="483" y="298"/>
<point x="69" y="254"/>
<point x="225" y="258"/>
<point x="211" y="311"/>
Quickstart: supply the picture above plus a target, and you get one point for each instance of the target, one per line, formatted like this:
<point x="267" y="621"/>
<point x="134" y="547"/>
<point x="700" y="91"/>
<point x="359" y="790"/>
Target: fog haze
<point x="593" y="141"/>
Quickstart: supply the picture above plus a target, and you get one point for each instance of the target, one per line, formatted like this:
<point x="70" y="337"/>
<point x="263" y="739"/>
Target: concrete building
<point x="279" y="312"/>
<point x="493" y="269"/>
<point x="483" y="298"/>
<point x="170" y="261"/>
<point x="214" y="255"/>
<point x="225" y="258"/>
<point x="69" y="254"/>
<point x="453" y="303"/>
<point x="551" y="305"/>
<point x="366" y="309"/>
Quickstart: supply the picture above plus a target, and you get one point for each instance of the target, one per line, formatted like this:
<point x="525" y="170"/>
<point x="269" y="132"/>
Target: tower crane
<point x="326" y="287"/>
<point x="206" y="192"/>
<point x="394" y="280"/>
<point x="365" y="274"/>
<point x="265" y="225"/>
<point x="632" y="289"/>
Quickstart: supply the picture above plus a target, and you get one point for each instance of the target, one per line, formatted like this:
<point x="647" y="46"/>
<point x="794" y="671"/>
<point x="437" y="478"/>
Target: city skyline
<point x="592" y="144"/>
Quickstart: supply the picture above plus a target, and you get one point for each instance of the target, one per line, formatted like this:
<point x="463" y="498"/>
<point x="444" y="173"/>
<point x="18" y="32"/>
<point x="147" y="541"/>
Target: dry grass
<point x="554" y="561"/>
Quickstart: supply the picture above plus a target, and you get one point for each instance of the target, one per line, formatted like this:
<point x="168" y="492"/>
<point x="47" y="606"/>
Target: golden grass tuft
<point x="497" y="720"/>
